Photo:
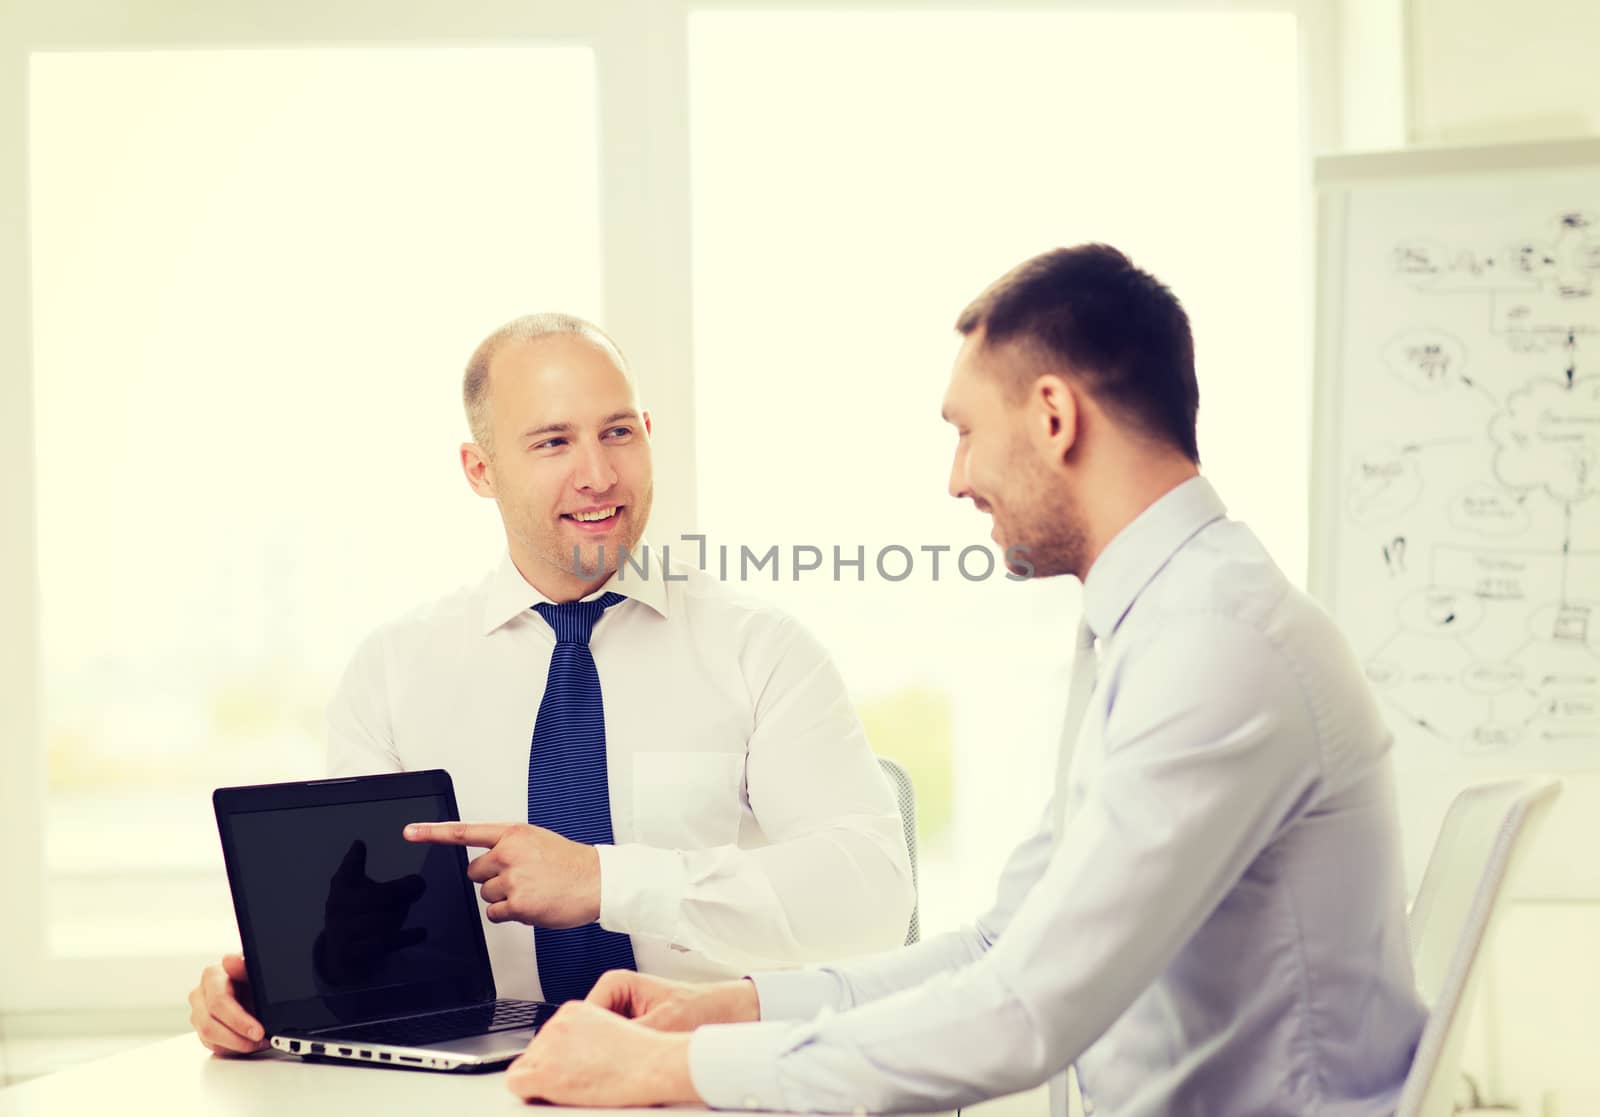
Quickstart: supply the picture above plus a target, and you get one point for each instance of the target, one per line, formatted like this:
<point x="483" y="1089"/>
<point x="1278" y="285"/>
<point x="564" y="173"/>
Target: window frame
<point x="642" y="74"/>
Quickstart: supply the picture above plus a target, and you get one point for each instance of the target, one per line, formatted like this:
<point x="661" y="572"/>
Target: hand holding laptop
<point x="529" y="874"/>
<point x="363" y="923"/>
<point x="360" y="945"/>
<point x="217" y="1013"/>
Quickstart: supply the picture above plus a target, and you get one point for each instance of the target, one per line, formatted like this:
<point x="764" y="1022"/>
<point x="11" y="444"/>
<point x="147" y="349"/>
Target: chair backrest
<point x="905" y="798"/>
<point x="1486" y="832"/>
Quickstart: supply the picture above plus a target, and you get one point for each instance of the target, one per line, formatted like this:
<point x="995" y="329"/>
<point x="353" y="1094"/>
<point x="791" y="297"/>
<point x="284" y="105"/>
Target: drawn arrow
<point x="1566" y="550"/>
<point x="1471" y="383"/>
<point x="1420" y="723"/>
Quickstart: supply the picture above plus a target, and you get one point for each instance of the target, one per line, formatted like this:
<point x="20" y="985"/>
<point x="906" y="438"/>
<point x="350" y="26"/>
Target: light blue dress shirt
<point x="1215" y="927"/>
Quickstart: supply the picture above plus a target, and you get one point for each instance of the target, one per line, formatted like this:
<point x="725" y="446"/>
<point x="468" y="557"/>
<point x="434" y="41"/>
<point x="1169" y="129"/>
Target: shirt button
<point x="752" y="1102"/>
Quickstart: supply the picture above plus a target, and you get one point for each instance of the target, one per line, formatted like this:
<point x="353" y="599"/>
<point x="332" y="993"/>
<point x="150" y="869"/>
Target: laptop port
<point x="294" y="1045"/>
<point x="383" y="1056"/>
<point x="316" y="1048"/>
<point x="408" y="1058"/>
<point x="344" y="1051"/>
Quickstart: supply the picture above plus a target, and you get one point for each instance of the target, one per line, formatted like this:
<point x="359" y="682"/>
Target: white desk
<point x="179" y="1078"/>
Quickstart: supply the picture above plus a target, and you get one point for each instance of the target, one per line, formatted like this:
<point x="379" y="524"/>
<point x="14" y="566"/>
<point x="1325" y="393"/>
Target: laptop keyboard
<point x="437" y="1027"/>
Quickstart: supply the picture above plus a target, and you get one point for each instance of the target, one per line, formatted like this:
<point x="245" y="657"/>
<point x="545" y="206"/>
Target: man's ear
<point x="1055" y="415"/>
<point x="475" y="464"/>
<point x="648" y="429"/>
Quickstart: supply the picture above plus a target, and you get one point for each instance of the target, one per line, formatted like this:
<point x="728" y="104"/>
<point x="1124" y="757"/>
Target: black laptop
<point x="359" y="944"/>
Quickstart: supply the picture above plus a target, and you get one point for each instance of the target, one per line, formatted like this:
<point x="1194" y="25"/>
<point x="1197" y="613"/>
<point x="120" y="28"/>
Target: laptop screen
<point x="342" y="919"/>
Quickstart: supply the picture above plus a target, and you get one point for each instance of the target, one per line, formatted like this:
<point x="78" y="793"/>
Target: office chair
<point x="1486" y="833"/>
<point x="905" y="798"/>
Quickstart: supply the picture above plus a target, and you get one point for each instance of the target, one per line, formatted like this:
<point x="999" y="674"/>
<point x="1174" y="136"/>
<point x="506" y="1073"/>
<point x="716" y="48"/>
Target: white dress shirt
<point x="1216" y="928"/>
<point x="753" y="827"/>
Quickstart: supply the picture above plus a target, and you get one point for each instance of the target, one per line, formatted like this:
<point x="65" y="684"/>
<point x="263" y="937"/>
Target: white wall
<point x="1372" y="74"/>
<point x="1493" y="71"/>
<point x="1485" y="71"/>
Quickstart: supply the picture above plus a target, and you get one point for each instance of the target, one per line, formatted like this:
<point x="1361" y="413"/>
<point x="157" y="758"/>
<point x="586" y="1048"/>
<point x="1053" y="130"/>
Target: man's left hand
<point x="529" y="874"/>
<point x="585" y="1055"/>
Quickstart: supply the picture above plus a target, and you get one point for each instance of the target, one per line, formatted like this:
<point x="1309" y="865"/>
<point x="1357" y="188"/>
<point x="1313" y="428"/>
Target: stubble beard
<point x="1049" y="533"/>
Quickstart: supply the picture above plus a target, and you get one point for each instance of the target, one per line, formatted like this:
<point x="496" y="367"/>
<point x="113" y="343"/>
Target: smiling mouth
<point x="596" y="519"/>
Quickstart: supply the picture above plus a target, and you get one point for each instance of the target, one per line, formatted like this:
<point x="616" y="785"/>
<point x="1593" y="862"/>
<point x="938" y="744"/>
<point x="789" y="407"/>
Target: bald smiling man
<point x="662" y="776"/>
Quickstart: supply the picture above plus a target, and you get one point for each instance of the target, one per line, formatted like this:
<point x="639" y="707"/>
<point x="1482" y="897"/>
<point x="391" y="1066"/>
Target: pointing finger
<point x="458" y="833"/>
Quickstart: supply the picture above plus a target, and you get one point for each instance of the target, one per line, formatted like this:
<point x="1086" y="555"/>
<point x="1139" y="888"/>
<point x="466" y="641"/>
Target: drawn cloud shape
<point x="1427" y="360"/>
<point x="1548" y="437"/>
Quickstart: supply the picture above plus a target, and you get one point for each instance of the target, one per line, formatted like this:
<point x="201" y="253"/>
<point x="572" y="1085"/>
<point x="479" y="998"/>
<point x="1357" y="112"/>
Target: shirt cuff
<point x="735" y="1066"/>
<point x="640" y="890"/>
<point x="795" y="994"/>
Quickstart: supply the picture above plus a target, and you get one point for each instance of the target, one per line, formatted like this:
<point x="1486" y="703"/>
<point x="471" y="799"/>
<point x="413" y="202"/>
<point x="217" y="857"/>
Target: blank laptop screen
<point x="349" y="921"/>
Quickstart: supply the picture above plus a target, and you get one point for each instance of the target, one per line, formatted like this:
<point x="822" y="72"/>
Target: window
<point x="858" y="177"/>
<point x="257" y="277"/>
<point x="236" y="316"/>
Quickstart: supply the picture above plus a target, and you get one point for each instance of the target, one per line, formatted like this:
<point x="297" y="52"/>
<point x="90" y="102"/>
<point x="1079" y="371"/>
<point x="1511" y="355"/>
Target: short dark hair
<point x="1115" y="329"/>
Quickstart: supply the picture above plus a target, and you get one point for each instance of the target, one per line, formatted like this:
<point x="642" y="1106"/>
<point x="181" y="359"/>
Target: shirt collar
<point x="1138" y="552"/>
<point x="508" y="594"/>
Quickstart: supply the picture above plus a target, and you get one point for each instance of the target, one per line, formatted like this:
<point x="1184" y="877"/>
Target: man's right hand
<point x="217" y="1014"/>
<point x="676" y="1006"/>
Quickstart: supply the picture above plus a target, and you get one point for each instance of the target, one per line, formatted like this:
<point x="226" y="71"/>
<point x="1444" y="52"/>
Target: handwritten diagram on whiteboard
<point x="1465" y="560"/>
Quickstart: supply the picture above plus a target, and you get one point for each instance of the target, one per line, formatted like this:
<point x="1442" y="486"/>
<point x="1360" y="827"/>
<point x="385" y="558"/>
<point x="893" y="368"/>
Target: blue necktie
<point x="568" y="792"/>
